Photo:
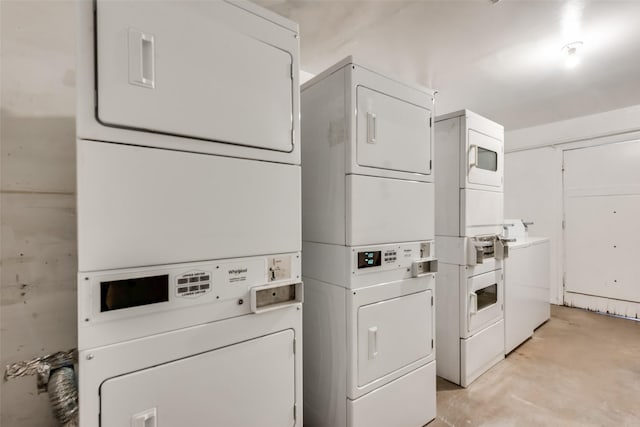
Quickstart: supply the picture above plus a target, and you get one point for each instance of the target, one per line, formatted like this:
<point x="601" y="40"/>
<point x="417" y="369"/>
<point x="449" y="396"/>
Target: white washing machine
<point x="471" y="248"/>
<point x="369" y="260"/>
<point x="527" y="280"/>
<point x="189" y="224"/>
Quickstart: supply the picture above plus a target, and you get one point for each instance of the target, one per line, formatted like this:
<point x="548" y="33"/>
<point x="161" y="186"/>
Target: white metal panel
<point x="483" y="212"/>
<point x="480" y="352"/>
<point x="197" y="80"/>
<point x="325" y="354"/>
<point x="602" y="207"/>
<point x="407" y="401"/>
<point x="611" y="168"/>
<point x="392" y="133"/>
<point x="213" y="387"/>
<point x="324" y="133"/>
<point x="393" y="334"/>
<point x="179" y="207"/>
<point x="478" y="318"/>
<point x="384" y="210"/>
<point x="603" y="232"/>
<point x="448" y="322"/>
<point x="447" y="177"/>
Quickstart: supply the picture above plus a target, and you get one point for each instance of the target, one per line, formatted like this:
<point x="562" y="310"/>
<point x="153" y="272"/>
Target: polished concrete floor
<point x="579" y="369"/>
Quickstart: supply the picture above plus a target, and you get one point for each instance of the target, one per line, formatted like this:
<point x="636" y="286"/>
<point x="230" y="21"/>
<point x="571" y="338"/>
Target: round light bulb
<point x="571" y="51"/>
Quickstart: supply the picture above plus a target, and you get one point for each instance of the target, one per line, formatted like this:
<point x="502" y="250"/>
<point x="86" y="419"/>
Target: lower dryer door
<point x="392" y="334"/>
<point x="484" y="301"/>
<point x="242" y="385"/>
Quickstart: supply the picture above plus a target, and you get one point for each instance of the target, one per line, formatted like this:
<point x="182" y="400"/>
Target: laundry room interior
<point x="329" y="213"/>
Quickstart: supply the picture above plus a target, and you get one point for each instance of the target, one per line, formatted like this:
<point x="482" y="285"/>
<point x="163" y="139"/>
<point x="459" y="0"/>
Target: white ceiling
<point x="501" y="60"/>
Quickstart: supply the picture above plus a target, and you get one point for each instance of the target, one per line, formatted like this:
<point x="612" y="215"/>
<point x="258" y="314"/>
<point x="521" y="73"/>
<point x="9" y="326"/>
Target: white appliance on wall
<point x="368" y="242"/>
<point x="189" y="225"/>
<point x="471" y="248"/>
<point x="527" y="283"/>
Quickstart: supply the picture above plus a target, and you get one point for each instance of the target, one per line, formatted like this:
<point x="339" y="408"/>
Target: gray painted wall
<point x="37" y="200"/>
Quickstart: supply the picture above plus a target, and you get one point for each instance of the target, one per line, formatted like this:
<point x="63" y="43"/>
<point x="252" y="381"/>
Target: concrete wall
<point x="37" y="200"/>
<point x="534" y="178"/>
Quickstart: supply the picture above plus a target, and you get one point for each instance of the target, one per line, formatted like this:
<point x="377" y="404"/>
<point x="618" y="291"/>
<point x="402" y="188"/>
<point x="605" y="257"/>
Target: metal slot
<point x="264" y="298"/>
<point x="423" y="267"/>
<point x="481" y="248"/>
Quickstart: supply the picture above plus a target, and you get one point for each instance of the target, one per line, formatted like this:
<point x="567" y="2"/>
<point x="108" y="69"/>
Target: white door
<point x="485" y="159"/>
<point x="250" y="384"/>
<point x="602" y="232"/>
<point x="484" y="300"/>
<point x="201" y="69"/>
<point x="392" y="134"/>
<point x="393" y="334"/>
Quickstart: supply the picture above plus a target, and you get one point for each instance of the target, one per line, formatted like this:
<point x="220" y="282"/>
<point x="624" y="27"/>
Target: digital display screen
<point x="134" y="292"/>
<point x="369" y="259"/>
<point x="487" y="159"/>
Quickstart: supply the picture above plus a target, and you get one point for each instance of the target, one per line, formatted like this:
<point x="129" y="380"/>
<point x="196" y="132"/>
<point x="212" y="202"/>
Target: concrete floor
<point x="579" y="369"/>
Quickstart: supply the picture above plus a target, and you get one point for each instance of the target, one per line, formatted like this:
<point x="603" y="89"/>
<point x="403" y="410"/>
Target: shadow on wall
<point x="38" y="252"/>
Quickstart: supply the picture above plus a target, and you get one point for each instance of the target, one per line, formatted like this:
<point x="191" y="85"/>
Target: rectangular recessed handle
<point x="371" y="128"/>
<point x="373" y="342"/>
<point x="142" y="59"/>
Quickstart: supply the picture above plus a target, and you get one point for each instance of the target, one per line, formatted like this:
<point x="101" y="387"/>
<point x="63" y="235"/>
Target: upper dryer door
<point x="485" y="159"/>
<point x="392" y="134"/>
<point x="207" y="70"/>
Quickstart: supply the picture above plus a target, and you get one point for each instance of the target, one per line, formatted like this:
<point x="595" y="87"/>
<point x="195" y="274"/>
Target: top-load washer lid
<point x="392" y="134"/>
<point x="207" y="70"/>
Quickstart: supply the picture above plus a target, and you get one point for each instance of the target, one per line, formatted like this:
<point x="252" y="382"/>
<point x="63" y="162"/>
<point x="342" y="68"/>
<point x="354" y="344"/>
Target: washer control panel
<point x="193" y="284"/>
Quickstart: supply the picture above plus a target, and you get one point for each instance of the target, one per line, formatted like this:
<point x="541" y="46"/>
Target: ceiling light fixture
<point x="570" y="51"/>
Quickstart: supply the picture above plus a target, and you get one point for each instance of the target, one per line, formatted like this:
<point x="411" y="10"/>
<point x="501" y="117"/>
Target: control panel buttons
<point x="199" y="283"/>
<point x="390" y="256"/>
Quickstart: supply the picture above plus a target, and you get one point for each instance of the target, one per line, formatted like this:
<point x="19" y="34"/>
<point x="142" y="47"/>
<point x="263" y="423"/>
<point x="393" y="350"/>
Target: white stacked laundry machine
<point x="368" y="243"/>
<point x="189" y="224"/>
<point x="471" y="248"/>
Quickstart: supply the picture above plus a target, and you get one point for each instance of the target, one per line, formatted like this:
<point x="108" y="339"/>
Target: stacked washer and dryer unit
<point x="189" y="283"/>
<point x="368" y="244"/>
<point x="471" y="249"/>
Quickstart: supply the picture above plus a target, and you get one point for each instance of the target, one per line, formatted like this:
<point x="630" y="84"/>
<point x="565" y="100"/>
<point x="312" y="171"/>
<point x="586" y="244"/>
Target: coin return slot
<point x="271" y="297"/>
<point x="424" y="267"/>
<point x="277" y="295"/>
